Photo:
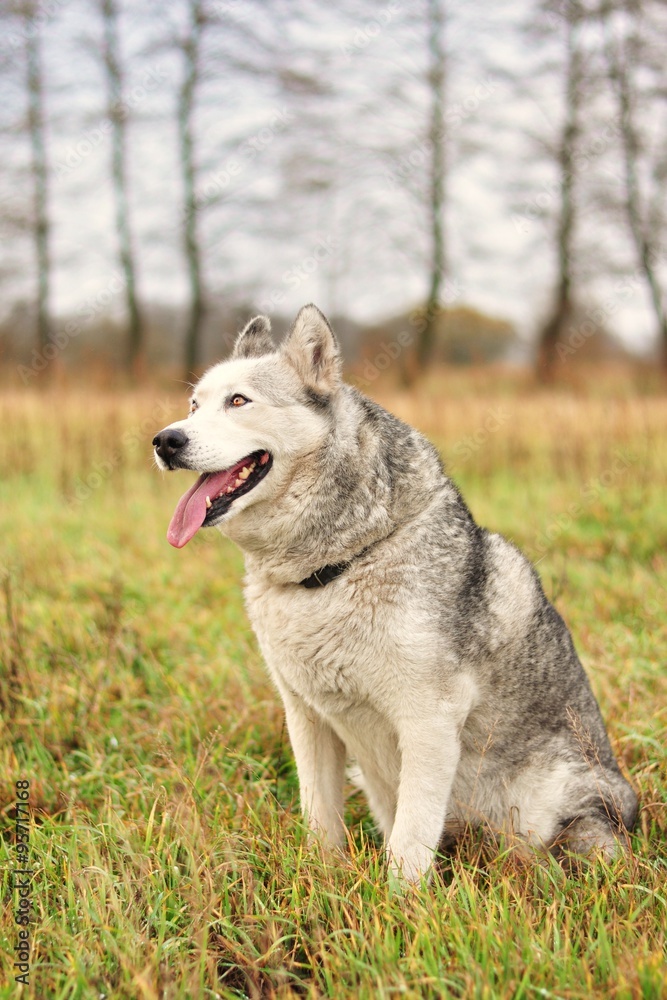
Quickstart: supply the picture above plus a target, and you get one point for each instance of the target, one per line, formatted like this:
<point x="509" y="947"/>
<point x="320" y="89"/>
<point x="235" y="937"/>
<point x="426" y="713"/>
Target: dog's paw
<point x="409" y="871"/>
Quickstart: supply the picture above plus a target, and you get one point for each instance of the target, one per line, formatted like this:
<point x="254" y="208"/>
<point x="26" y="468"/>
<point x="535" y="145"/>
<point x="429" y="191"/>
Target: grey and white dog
<point x="400" y="635"/>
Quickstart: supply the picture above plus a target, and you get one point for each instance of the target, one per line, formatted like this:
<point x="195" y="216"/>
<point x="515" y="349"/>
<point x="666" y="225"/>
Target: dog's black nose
<point x="168" y="442"/>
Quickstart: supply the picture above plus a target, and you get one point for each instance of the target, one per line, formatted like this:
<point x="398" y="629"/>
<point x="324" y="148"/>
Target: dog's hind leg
<point x="588" y="835"/>
<point x="573" y="806"/>
<point x="600" y="826"/>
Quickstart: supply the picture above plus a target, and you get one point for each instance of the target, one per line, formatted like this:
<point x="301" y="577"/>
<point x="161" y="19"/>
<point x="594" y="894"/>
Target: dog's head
<point x="244" y="428"/>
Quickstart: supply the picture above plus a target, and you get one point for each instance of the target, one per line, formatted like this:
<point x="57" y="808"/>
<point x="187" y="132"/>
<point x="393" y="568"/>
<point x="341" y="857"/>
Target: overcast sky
<point x="365" y="233"/>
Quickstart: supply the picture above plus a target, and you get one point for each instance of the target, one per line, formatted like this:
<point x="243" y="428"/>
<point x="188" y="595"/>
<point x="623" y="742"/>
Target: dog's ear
<point x="254" y="340"/>
<point x="311" y="348"/>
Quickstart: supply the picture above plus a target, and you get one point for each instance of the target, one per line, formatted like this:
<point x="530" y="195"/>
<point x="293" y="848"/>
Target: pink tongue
<point x="191" y="508"/>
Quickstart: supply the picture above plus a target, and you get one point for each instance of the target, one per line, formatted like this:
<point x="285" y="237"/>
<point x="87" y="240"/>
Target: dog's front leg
<point x="320" y="764"/>
<point x="430" y="750"/>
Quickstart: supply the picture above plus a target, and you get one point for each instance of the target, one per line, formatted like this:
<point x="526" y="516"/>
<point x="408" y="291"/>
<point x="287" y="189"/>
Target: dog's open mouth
<point x="213" y="494"/>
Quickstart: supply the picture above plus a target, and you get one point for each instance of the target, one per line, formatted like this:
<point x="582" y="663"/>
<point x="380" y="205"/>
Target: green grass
<point x="169" y="857"/>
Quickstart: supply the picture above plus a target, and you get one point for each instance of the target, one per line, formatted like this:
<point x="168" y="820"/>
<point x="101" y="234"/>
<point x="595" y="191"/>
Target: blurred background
<point x="449" y="182"/>
<point x="474" y="194"/>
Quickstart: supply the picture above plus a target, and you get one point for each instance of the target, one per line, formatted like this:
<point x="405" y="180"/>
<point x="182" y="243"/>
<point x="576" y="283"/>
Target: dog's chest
<point x="329" y="646"/>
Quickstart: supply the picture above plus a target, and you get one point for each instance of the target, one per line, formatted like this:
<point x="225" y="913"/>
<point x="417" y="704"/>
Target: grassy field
<point x="169" y="860"/>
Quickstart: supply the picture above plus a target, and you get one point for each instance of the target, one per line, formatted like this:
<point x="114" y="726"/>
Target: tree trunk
<point x="437" y="194"/>
<point x="647" y="250"/>
<point x="191" y="242"/>
<point x="561" y="314"/>
<point x="41" y="223"/>
<point x="117" y="116"/>
<point x="552" y="335"/>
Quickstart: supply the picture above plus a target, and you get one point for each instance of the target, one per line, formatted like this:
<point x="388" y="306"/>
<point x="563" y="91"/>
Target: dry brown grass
<point x="169" y="858"/>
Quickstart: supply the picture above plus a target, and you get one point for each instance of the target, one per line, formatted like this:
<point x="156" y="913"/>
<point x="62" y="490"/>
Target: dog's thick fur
<point x="434" y="660"/>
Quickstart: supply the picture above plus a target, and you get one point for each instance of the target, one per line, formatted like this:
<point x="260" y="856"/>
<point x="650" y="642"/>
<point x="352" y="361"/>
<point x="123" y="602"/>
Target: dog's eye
<point x="238" y="399"/>
<point x="194" y="405"/>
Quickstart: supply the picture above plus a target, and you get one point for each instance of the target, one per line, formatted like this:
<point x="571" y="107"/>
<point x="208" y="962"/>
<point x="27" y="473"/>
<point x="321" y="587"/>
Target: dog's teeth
<point x="239" y="482"/>
<point x="244" y="473"/>
<point x="230" y="489"/>
<point x="208" y="502"/>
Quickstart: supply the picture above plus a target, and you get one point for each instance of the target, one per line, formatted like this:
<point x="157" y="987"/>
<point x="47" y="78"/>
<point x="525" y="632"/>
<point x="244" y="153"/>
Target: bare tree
<point x="228" y="57"/>
<point x="418" y="90"/>
<point x="302" y="125"/>
<point x="41" y="226"/>
<point x="437" y="166"/>
<point x="117" y="114"/>
<point x="570" y="19"/>
<point x="191" y="48"/>
<point x="634" y="52"/>
<point x="377" y="104"/>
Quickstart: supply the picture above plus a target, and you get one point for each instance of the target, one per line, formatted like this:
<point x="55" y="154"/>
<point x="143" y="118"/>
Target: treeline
<point x="242" y="149"/>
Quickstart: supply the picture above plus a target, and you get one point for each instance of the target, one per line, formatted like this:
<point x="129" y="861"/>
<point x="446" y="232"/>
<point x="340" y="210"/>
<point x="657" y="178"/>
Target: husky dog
<point x="400" y="635"/>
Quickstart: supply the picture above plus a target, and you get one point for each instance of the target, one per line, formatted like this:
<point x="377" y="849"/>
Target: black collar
<point x="321" y="577"/>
